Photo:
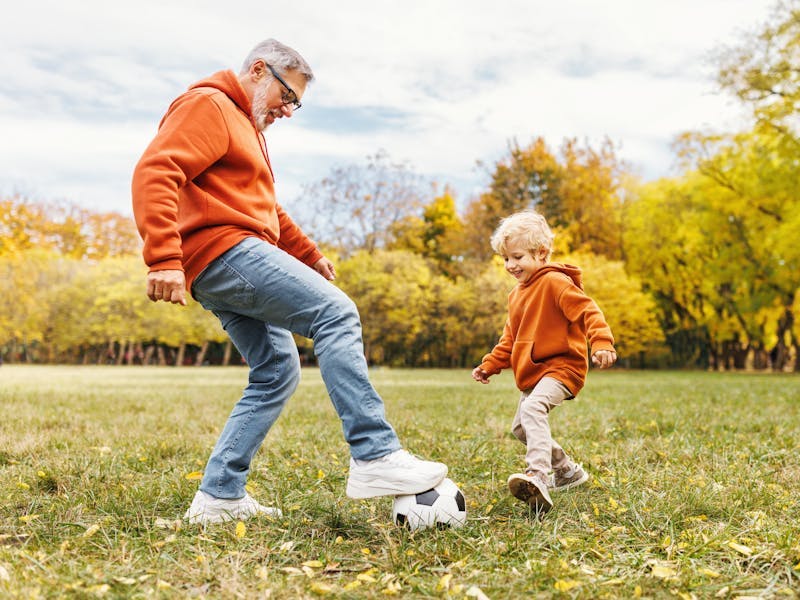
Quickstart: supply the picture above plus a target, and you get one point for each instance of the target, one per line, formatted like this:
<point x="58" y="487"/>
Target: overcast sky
<point x="438" y="85"/>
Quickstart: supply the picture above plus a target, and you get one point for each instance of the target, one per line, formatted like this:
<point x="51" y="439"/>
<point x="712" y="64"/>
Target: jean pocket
<point x="223" y="287"/>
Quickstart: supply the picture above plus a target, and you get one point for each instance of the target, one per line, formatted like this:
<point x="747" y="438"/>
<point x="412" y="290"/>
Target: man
<point x="205" y="206"/>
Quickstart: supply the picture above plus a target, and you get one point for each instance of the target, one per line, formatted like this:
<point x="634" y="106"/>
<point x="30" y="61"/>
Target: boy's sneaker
<point x="395" y="474"/>
<point x="208" y="509"/>
<point x="569" y="478"/>
<point x="531" y="488"/>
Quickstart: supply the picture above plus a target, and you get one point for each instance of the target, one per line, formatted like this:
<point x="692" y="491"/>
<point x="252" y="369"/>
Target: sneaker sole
<point x="530" y="494"/>
<point x="571" y="484"/>
<point x="359" y="490"/>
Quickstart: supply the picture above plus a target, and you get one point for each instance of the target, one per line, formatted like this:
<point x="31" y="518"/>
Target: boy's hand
<point x="480" y="375"/>
<point x="604" y="358"/>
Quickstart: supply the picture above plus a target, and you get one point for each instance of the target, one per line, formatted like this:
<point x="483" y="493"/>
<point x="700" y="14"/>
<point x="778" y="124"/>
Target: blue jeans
<point x="261" y="294"/>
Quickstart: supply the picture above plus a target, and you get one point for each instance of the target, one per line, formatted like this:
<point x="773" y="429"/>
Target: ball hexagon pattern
<point x="442" y="506"/>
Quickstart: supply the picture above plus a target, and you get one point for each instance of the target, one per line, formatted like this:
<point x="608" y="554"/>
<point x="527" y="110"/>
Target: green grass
<point x="695" y="490"/>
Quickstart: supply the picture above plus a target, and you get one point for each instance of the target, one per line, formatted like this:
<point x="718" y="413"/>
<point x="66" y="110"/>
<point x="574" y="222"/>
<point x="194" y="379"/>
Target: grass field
<point x="694" y="490"/>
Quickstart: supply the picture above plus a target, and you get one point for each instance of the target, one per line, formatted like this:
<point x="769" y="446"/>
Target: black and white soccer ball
<point x="443" y="506"/>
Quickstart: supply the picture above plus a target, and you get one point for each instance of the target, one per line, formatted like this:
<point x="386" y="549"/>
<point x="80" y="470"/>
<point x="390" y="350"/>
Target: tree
<point x="578" y="191"/>
<point x="357" y="207"/>
<point x="437" y="235"/>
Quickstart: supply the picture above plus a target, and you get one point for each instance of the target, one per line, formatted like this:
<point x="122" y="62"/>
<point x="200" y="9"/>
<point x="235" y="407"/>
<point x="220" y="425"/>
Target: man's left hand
<point x="325" y="268"/>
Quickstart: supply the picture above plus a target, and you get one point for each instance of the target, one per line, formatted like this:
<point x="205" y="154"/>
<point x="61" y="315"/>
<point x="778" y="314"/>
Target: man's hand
<point x="480" y="375"/>
<point x="604" y="358"/>
<point x="169" y="286"/>
<point x="325" y="268"/>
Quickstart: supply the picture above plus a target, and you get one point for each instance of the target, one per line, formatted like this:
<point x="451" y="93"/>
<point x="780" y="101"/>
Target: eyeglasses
<point x="289" y="97"/>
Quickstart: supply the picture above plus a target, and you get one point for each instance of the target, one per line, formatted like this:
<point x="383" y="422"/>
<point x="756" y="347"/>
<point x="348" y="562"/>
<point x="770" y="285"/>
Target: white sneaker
<point x="208" y="509"/>
<point x="395" y="474"/>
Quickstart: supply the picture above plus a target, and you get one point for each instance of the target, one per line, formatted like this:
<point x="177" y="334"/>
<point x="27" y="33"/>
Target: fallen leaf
<point x="313" y="563"/>
<point x="241" y="529"/>
<point x="29" y="518"/>
<point x="91" y="531"/>
<point x="4" y="576"/>
<point x="321" y="588"/>
<point x="444" y="582"/>
<point x="662" y="572"/>
<point x="709" y="573"/>
<point x="740" y="548"/>
<point x="193" y="476"/>
<point x="564" y="585"/>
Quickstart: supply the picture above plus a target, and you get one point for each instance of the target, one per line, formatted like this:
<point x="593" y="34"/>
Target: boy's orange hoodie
<point x="205" y="183"/>
<point x="549" y="321"/>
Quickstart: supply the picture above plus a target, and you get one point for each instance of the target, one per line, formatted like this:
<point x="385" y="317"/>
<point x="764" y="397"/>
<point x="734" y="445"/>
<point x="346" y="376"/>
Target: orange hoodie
<point x="549" y="320"/>
<point x="205" y="183"/>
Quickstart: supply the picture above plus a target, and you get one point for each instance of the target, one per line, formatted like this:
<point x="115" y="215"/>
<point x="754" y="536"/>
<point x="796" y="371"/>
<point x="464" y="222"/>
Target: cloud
<point x="440" y="85"/>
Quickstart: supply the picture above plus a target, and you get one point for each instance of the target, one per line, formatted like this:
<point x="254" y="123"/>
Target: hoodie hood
<point x="227" y="83"/>
<point x="570" y="271"/>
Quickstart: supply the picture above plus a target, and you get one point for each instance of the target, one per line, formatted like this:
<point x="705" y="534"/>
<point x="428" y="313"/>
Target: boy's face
<point x="520" y="262"/>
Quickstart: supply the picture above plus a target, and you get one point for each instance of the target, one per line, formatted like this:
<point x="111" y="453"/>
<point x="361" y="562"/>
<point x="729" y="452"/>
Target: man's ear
<point x="258" y="69"/>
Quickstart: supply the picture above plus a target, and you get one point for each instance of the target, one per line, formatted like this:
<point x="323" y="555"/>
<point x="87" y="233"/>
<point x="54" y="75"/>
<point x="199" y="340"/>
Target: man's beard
<point x="260" y="109"/>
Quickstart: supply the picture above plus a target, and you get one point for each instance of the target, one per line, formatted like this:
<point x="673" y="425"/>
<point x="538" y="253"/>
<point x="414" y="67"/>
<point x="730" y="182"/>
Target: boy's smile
<point x="520" y="262"/>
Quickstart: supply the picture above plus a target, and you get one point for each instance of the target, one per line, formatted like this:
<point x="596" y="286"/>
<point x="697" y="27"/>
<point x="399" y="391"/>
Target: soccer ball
<point x="442" y="506"/>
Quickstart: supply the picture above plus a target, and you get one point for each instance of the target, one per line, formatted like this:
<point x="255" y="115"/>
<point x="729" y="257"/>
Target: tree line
<point x="698" y="270"/>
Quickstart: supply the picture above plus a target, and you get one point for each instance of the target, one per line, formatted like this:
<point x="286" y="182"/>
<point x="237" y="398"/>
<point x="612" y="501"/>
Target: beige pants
<point x="532" y="428"/>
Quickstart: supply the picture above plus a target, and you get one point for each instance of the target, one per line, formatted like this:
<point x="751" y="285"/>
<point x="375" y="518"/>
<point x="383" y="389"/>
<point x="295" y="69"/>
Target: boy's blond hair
<point x="528" y="225"/>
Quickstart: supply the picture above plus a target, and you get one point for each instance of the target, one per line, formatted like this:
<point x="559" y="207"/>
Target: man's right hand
<point x="169" y="286"/>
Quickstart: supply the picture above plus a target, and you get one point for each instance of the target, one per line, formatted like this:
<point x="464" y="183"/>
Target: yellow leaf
<point x="366" y="551"/>
<point x="313" y="563"/>
<point x="339" y="539"/>
<point x="392" y="588"/>
<point x="262" y="573"/>
<point x="92" y="530"/>
<point x="366" y="578"/>
<point x="163" y="585"/>
<point x="740" y="548"/>
<point x="241" y="529"/>
<point x="320" y="474"/>
<point x="320" y="588"/>
<point x="193" y="476"/>
<point x="23" y="486"/>
<point x="29" y="518"/>
<point x="709" y="573"/>
<point x="662" y="572"/>
<point x="444" y="582"/>
<point x="4" y="576"/>
<point x="352" y="585"/>
<point x="564" y="585"/>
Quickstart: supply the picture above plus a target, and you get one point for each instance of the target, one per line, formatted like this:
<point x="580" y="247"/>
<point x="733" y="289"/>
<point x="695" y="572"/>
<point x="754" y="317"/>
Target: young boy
<point x="549" y="321"/>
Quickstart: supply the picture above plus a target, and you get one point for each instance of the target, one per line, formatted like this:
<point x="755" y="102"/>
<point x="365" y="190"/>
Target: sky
<point x="438" y="85"/>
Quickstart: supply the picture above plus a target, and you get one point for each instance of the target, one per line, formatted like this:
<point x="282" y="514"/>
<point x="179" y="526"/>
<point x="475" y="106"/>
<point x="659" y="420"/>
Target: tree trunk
<point x="180" y="355"/>
<point x="201" y="355"/>
<point x="226" y="355"/>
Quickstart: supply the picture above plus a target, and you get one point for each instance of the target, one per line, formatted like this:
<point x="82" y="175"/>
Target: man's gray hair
<point x="280" y="57"/>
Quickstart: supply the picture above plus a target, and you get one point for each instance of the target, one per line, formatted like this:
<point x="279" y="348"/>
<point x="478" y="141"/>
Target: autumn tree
<point x="357" y="206"/>
<point x="577" y="190"/>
